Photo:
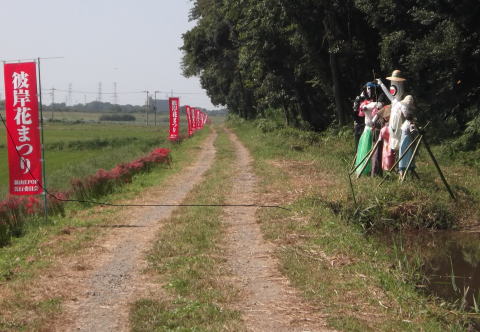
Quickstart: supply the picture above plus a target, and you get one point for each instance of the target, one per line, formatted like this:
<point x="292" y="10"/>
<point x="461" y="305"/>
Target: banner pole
<point x="42" y="140"/>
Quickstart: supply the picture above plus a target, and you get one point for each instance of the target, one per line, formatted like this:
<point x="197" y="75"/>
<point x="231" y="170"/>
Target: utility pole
<point x="115" y="95"/>
<point x="69" y="100"/>
<point x="155" y="106"/>
<point x="85" y="99"/>
<point x="146" y="108"/>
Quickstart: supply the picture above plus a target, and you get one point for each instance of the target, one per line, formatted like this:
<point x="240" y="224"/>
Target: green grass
<point x="360" y="282"/>
<point x="30" y="256"/>
<point x="187" y="259"/>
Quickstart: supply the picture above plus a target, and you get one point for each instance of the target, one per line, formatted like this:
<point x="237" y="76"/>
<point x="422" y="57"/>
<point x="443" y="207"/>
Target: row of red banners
<point x="196" y="119"/>
<point x="23" y="127"/>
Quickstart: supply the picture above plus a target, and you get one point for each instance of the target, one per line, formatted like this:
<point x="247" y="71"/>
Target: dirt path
<point x="102" y="289"/>
<point x="268" y="302"/>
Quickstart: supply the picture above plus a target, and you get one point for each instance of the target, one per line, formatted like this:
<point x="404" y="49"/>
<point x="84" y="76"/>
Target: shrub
<point x="117" y="117"/>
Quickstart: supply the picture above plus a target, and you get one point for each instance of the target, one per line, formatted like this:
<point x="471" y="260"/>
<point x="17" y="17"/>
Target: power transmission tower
<point x="69" y="99"/>
<point x="115" y="95"/>
<point x="99" y="97"/>
<point x="52" y="94"/>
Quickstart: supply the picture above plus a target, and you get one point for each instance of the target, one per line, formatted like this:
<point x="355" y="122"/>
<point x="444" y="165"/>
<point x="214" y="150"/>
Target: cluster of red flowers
<point x="103" y="182"/>
<point x="15" y="209"/>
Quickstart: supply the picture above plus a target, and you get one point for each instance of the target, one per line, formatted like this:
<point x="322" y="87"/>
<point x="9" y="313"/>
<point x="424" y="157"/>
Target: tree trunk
<point x="337" y="90"/>
<point x="329" y="25"/>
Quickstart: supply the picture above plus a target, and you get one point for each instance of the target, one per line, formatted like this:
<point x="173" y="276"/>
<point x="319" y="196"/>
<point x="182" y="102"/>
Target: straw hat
<point x="396" y="76"/>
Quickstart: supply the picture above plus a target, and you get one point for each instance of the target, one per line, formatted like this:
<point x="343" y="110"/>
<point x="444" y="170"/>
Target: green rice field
<point x="77" y="149"/>
<point x="140" y="118"/>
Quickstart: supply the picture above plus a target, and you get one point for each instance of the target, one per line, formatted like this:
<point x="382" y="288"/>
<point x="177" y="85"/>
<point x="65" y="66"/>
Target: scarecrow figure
<point x="409" y="132"/>
<point x="400" y="129"/>
<point x="388" y="155"/>
<point x="380" y="121"/>
<point x="397" y="90"/>
<point x="359" y="116"/>
<point x="368" y="106"/>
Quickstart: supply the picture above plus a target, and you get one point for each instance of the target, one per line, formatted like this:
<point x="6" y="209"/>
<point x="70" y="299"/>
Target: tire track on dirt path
<point x="103" y="293"/>
<point x="267" y="301"/>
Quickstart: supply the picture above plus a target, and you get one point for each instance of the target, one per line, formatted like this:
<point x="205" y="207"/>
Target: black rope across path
<point x="170" y="205"/>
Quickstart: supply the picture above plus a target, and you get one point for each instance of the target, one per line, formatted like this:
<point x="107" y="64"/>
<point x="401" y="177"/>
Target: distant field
<point x="79" y="149"/>
<point x="141" y="118"/>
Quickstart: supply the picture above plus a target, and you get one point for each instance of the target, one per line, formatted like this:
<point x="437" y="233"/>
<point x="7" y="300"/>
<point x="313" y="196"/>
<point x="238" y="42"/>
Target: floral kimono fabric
<point x="364" y="147"/>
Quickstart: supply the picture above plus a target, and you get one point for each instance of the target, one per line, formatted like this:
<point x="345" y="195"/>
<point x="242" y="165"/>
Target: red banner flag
<point x="174" y="104"/>
<point x="188" y="110"/>
<point x="193" y="113"/>
<point x="23" y="133"/>
<point x="197" y="118"/>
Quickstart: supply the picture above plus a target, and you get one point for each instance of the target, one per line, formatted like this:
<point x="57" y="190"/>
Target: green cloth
<point x="364" y="147"/>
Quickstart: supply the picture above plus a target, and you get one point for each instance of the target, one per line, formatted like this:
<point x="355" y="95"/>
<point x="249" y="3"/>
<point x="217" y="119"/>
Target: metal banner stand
<point x="42" y="142"/>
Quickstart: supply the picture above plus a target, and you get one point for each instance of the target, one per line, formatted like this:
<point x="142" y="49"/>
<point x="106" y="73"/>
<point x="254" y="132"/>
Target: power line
<point x="132" y="92"/>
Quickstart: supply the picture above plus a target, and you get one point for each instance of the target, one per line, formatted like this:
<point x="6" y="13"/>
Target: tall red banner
<point x="23" y="133"/>
<point x="197" y="118"/>
<point x="174" y="104"/>
<point x="193" y="114"/>
<point x="188" y="110"/>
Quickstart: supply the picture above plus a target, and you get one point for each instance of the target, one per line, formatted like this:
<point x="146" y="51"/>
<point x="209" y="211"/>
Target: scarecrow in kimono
<point x="368" y="106"/>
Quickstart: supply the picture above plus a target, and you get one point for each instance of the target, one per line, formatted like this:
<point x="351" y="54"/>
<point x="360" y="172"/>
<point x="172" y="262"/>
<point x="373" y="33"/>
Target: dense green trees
<point x="308" y="58"/>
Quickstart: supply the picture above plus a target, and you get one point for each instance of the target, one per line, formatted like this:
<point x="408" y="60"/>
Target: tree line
<point x="309" y="58"/>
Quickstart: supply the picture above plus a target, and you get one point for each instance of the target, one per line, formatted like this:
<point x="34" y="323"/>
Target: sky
<point x="134" y="43"/>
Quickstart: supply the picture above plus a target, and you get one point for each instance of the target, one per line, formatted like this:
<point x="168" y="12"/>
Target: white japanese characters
<point x="24" y="144"/>
<point x="21" y="99"/>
